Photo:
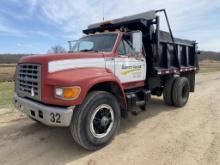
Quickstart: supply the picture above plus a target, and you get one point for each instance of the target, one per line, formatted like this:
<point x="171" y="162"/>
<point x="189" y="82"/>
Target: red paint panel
<point x="83" y="77"/>
<point x="135" y="84"/>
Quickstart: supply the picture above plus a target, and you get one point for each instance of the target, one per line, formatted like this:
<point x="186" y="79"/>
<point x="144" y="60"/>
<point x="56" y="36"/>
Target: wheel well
<point x="114" y="89"/>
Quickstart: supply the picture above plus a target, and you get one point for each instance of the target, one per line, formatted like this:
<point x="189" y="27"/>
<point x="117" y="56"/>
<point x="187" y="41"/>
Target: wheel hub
<point x="102" y="121"/>
<point x="105" y="121"/>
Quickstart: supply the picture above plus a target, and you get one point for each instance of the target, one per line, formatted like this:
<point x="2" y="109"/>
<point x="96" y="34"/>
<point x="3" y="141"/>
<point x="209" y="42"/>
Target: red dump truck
<point x="115" y="67"/>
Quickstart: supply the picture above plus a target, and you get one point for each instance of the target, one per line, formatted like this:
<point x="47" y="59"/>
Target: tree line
<point x="13" y="58"/>
<point x="209" y="55"/>
<point x="9" y="58"/>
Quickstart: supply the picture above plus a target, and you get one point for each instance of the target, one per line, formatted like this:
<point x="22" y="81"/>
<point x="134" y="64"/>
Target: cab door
<point x="130" y="65"/>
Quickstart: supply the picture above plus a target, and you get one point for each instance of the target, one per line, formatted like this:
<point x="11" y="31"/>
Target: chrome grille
<point x="28" y="81"/>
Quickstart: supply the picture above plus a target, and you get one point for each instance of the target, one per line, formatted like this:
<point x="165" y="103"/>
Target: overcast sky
<point x="33" y="26"/>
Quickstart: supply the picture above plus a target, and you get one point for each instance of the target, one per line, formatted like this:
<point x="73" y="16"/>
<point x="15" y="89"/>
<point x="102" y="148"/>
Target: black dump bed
<point x="164" y="53"/>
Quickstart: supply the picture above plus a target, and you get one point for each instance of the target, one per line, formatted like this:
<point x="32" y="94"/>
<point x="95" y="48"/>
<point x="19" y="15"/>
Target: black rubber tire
<point x="180" y="92"/>
<point x="80" y="127"/>
<point x="167" y="91"/>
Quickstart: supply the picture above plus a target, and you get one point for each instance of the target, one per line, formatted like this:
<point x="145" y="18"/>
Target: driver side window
<point x="125" y="46"/>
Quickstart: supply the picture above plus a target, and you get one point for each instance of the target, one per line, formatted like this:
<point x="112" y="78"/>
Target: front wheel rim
<point x="102" y="120"/>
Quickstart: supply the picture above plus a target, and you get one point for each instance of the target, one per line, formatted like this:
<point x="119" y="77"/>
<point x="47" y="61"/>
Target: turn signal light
<point x="68" y="93"/>
<point x="71" y="93"/>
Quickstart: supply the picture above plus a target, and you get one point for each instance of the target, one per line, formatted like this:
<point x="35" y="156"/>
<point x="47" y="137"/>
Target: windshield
<point x="97" y="43"/>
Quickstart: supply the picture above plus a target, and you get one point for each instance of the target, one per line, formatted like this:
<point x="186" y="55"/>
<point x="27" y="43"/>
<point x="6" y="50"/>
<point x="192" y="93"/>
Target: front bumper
<point x="48" y="115"/>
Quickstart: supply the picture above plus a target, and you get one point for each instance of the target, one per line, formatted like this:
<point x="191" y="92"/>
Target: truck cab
<point x="122" y="52"/>
<point x="115" y="67"/>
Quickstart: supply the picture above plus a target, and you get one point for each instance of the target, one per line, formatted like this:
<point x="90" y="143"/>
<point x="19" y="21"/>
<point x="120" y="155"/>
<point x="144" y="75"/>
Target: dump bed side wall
<point x="167" y="57"/>
<point x="164" y="59"/>
<point x="185" y="49"/>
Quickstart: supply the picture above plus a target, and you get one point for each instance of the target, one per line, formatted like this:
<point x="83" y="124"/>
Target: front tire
<point x="96" y="121"/>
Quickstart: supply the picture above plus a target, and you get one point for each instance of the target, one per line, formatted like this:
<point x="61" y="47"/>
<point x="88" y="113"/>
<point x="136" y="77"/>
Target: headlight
<point x="59" y="92"/>
<point x="67" y="93"/>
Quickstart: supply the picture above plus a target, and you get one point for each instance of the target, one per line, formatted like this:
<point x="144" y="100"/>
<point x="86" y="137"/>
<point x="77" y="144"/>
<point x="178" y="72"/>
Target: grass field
<point x="7" y="73"/>
<point x="6" y="88"/>
<point x="6" y="93"/>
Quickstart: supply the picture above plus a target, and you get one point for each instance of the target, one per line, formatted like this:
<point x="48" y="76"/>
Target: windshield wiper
<point x="89" y="50"/>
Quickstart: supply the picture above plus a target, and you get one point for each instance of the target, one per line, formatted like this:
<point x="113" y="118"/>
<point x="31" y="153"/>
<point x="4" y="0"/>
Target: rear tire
<point x="180" y="92"/>
<point x="96" y="121"/>
<point x="167" y="91"/>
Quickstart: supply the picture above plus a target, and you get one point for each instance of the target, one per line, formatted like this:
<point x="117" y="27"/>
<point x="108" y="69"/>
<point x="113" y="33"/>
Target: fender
<point x="86" y="78"/>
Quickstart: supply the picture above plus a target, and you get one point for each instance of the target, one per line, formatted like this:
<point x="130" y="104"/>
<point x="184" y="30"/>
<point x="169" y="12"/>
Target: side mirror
<point x="72" y="45"/>
<point x="137" y="41"/>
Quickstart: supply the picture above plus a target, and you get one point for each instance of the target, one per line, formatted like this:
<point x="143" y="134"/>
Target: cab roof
<point x="133" y="22"/>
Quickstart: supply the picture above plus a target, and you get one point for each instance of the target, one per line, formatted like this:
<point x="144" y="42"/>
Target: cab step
<point x="138" y="98"/>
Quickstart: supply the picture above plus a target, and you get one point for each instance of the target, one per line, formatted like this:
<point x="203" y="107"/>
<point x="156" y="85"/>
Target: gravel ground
<point x="161" y="135"/>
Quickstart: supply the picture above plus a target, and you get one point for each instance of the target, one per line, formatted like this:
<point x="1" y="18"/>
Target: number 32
<point x="55" y="117"/>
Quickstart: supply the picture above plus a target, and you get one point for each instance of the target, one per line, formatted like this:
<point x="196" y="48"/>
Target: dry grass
<point x="7" y="72"/>
<point x="207" y="66"/>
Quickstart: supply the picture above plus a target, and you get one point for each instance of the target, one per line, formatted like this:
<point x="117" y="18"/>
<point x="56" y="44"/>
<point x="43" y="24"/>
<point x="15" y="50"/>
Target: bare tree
<point x="57" y="49"/>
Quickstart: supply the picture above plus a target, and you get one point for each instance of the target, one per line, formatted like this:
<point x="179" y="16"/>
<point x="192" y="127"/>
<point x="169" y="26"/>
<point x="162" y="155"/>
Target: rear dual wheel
<point x="180" y="91"/>
<point x="96" y="121"/>
<point x="176" y="91"/>
<point x="167" y="91"/>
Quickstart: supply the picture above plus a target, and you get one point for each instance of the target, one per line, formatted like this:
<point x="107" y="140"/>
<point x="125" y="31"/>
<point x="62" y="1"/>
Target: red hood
<point x="43" y="59"/>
